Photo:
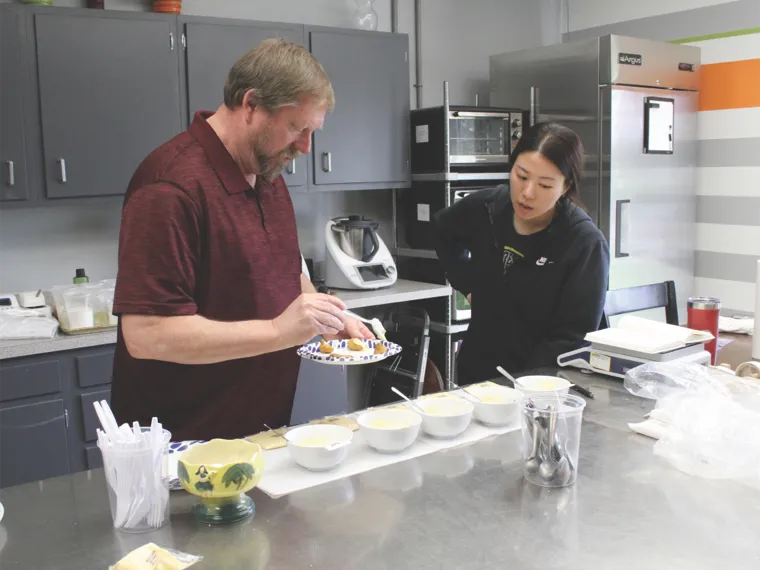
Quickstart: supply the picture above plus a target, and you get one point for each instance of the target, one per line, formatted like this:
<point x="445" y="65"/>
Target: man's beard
<point x="271" y="165"/>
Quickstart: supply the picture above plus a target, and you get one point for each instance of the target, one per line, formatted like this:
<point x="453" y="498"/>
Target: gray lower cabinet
<point x="33" y="442"/>
<point x="34" y="420"/>
<point x="109" y="94"/>
<point x="365" y="139"/>
<point x="13" y="178"/>
<point x="47" y="420"/>
<point x="91" y="375"/>
<point x="213" y="46"/>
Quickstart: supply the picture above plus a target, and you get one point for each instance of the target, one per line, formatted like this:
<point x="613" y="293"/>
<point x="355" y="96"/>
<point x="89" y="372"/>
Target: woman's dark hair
<point x="560" y="146"/>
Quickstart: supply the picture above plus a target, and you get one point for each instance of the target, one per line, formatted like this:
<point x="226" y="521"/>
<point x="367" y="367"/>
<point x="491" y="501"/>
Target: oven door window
<point x="478" y="139"/>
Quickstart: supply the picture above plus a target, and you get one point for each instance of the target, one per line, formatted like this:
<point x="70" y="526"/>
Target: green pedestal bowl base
<point x="223" y="511"/>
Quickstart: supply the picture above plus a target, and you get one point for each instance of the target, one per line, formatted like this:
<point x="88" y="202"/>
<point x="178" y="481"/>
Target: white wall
<point x="591" y="13"/>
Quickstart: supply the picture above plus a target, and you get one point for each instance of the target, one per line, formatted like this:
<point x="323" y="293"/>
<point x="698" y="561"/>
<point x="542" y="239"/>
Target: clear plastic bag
<point x="156" y="558"/>
<point x="711" y="417"/>
<point x="21" y="324"/>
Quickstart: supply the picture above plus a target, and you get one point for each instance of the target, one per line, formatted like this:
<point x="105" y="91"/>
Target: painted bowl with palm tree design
<point x="221" y="472"/>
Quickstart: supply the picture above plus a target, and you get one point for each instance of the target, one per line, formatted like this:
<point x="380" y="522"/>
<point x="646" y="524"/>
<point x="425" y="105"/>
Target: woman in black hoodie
<point x="531" y="261"/>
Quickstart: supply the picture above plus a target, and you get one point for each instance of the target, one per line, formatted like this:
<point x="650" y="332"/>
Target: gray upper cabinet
<point x="213" y="46"/>
<point x="109" y="94"/>
<point x="365" y="140"/>
<point x="13" y="180"/>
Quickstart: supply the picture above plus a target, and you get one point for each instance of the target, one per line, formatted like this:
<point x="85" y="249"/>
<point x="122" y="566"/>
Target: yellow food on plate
<point x="314" y="441"/>
<point x="380" y="348"/>
<point x="355" y="344"/>
<point x="325" y="348"/>
<point x="380" y="423"/>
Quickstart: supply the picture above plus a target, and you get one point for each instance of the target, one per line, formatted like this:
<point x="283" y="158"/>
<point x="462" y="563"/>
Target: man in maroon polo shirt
<point x="210" y="291"/>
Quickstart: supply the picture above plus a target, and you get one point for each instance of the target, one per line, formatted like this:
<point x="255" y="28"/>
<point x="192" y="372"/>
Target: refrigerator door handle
<point x="622" y="227"/>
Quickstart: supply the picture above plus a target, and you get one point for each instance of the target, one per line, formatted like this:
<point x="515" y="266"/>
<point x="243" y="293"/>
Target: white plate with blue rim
<point x="344" y="353"/>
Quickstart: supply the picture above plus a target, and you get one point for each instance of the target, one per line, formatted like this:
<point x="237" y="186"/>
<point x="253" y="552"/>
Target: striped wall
<point x="728" y="187"/>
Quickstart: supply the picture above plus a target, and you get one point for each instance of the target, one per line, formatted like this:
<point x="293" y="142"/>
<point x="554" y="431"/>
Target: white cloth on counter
<point x="654" y="426"/>
<point x="736" y="325"/>
<point x="26" y="324"/>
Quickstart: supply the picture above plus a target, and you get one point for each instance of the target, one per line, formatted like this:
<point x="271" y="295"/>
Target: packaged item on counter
<point x="152" y="557"/>
<point x="344" y="421"/>
<point x="268" y="440"/>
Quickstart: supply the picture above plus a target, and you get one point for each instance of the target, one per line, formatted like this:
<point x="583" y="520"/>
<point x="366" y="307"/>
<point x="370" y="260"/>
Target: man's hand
<point x="310" y="315"/>
<point x="353" y="328"/>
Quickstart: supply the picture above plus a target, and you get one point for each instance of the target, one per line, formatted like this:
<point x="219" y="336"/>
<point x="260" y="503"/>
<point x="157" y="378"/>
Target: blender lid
<point x="355" y="222"/>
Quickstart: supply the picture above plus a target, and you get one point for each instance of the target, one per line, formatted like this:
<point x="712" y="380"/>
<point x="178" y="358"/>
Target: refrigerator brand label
<point x="629" y="58"/>
<point x="686" y="66"/>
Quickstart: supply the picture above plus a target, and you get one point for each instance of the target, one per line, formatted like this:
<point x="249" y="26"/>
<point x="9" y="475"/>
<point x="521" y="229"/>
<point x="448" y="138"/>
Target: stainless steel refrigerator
<point x="634" y="104"/>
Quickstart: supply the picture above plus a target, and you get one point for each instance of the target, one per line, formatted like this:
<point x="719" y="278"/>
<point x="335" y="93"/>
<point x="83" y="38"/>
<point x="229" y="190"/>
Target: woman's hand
<point x="469" y="299"/>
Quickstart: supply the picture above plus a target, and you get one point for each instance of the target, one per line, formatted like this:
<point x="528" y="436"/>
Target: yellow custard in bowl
<point x="389" y="430"/>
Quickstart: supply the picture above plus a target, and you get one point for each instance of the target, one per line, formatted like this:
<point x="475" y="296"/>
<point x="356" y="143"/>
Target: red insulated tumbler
<point x="703" y="313"/>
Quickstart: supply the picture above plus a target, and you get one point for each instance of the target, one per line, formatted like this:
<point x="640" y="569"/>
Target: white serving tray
<point x="282" y="475"/>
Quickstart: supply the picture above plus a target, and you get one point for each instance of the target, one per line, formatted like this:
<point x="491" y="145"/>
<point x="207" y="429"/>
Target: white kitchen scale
<point x="616" y="361"/>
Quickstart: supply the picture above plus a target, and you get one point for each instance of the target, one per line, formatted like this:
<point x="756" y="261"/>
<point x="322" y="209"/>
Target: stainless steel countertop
<point x="468" y="508"/>
<point x="400" y="292"/>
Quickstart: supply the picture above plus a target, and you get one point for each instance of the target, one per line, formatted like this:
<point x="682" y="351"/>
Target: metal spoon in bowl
<point x="463" y="389"/>
<point x="400" y="393"/>
<point x="508" y="376"/>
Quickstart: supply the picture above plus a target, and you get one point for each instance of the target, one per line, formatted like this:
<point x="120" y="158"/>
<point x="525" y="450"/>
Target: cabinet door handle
<point x="291" y="168"/>
<point x="62" y="165"/>
<point x="66" y="416"/>
<point x="622" y="228"/>
<point x="327" y="161"/>
<point x="11" y="173"/>
<point x="171" y="41"/>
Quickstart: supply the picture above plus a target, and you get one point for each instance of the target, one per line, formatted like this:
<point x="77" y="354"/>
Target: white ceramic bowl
<point x="319" y="447"/>
<point x="445" y="417"/>
<point x="542" y="384"/>
<point x="499" y="405"/>
<point x="389" y="431"/>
